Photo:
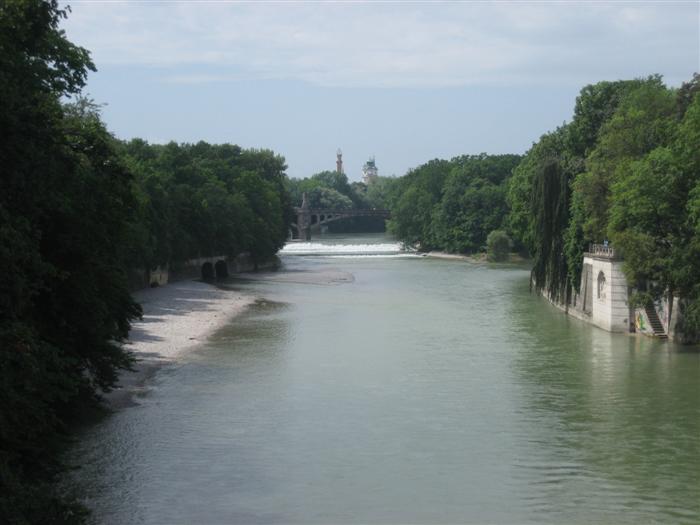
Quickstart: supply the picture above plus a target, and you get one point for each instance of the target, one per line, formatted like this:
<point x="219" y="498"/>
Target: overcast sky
<point x="404" y="81"/>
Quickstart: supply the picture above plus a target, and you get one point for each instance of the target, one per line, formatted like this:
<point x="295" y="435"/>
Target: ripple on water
<point x="419" y="391"/>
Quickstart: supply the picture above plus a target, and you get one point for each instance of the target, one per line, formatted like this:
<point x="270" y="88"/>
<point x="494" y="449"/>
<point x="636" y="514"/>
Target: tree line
<point x="78" y="210"/>
<point x="333" y="190"/>
<point x="626" y="169"/>
<point x="201" y="200"/>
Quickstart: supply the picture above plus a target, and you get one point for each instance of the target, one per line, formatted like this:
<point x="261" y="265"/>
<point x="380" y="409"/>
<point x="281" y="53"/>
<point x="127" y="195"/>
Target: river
<point x="393" y="388"/>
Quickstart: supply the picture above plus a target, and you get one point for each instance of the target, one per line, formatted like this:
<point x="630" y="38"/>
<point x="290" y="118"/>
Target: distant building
<point x="339" y="161"/>
<point x="370" y="171"/>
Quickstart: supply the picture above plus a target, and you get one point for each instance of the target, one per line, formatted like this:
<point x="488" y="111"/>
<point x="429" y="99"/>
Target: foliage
<point x="614" y="122"/>
<point x="203" y="200"/>
<point x="332" y="190"/>
<point x="550" y="209"/>
<point x="498" y="246"/>
<point x="78" y="210"/>
<point x="64" y="301"/>
<point x="379" y="193"/>
<point x="520" y="220"/>
<point x="326" y="198"/>
<point x="627" y="168"/>
<point x="452" y="205"/>
<point x="653" y="216"/>
<point x="643" y="120"/>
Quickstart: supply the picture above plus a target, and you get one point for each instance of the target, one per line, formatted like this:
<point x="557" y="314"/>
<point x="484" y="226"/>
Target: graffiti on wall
<point x="639" y="322"/>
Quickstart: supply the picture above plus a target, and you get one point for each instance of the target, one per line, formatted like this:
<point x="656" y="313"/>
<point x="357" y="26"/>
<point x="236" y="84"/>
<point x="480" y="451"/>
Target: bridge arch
<point x="308" y="217"/>
<point x="208" y="272"/>
<point x="221" y="269"/>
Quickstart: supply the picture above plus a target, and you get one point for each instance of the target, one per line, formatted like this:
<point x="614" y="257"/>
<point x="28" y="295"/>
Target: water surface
<point x="402" y="389"/>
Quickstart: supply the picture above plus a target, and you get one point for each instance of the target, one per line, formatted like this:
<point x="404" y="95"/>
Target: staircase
<point x="655" y="322"/>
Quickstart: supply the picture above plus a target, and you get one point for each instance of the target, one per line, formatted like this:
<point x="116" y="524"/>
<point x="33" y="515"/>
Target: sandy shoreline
<point x="455" y="256"/>
<point x="478" y="258"/>
<point x="176" y="318"/>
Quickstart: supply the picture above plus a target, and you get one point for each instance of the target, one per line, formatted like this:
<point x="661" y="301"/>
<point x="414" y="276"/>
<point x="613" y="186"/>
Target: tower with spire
<point x="339" y="161"/>
<point x="370" y="171"/>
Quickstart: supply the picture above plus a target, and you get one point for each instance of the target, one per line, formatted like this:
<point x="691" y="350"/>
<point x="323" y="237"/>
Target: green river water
<point x="380" y="388"/>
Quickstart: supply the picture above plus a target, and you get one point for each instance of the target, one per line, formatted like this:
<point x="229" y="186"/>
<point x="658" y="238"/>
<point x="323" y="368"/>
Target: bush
<point x="498" y="245"/>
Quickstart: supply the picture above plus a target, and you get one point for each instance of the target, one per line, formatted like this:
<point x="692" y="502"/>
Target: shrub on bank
<point x="498" y="246"/>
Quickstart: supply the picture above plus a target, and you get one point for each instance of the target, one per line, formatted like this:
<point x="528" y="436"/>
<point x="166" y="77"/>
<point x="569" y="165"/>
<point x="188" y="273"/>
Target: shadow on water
<point x="614" y="415"/>
<point x="137" y="465"/>
<point x="426" y="391"/>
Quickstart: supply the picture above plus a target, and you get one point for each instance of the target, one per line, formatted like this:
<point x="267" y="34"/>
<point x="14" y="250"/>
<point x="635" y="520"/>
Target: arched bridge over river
<point x="308" y="217"/>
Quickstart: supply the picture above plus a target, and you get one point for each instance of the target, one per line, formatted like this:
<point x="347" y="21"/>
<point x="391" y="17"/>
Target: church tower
<point x="370" y="171"/>
<point x="339" y="161"/>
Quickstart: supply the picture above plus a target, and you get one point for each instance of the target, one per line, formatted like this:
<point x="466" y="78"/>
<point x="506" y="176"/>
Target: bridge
<point x="308" y="217"/>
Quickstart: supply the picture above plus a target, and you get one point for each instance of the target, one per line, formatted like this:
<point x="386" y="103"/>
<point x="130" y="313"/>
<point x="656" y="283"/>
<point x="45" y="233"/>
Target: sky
<point x="405" y="82"/>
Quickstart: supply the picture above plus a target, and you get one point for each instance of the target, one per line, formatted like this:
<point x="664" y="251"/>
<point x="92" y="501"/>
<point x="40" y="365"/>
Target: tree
<point x="452" y="205"/>
<point x="328" y="199"/>
<point x="469" y="209"/>
<point x="550" y="209"/>
<point x="498" y="244"/>
<point x="643" y="121"/>
<point x="64" y="301"/>
<point x="654" y="219"/>
<point x="520" y="221"/>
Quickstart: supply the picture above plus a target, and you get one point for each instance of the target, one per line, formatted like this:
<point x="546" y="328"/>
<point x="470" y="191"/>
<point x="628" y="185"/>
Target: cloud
<point x="394" y="44"/>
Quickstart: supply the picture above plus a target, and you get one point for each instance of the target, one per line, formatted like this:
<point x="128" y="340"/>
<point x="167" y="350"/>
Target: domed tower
<point x="370" y="171"/>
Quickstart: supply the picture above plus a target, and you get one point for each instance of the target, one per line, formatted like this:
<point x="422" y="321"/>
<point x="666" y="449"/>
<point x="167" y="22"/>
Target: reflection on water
<point x="419" y="391"/>
<point x="613" y="416"/>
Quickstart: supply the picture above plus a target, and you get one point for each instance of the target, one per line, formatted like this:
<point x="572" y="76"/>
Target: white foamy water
<point x="344" y="250"/>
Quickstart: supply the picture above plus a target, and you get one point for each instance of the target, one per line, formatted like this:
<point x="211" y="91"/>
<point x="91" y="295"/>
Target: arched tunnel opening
<point x="208" y="271"/>
<point x="221" y="269"/>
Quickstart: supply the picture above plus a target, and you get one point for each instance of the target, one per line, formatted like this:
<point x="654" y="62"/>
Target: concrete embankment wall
<point x="603" y="300"/>
<point x="192" y="269"/>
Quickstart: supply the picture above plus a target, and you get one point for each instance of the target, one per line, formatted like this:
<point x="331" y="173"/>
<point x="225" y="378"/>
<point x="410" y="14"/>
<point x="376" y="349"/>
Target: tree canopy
<point x="452" y="205"/>
<point x="78" y="210"/>
<point x="625" y="169"/>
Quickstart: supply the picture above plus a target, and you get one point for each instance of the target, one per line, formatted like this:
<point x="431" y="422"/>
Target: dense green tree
<point x="78" y="210"/>
<point x="686" y="94"/>
<point x="412" y="202"/>
<point x="653" y="215"/>
<point x="473" y="201"/>
<point x="411" y="217"/>
<point x="205" y="199"/>
<point x="550" y="209"/>
<point x="64" y="301"/>
<point x="452" y="205"/>
<point x="380" y="193"/>
<point x="643" y="121"/>
<point x="328" y="199"/>
<point x="588" y="151"/>
<point x="498" y="246"/>
<point x="550" y="148"/>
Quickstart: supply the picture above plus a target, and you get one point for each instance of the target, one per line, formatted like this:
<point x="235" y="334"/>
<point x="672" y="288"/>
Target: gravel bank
<point x="176" y="318"/>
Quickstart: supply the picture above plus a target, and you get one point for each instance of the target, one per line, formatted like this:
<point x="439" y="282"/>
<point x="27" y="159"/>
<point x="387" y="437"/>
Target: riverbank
<point x="477" y="258"/>
<point x="455" y="256"/>
<point x="176" y="318"/>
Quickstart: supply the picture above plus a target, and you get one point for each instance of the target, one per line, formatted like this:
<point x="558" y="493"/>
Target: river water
<point x="384" y="388"/>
